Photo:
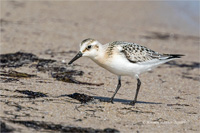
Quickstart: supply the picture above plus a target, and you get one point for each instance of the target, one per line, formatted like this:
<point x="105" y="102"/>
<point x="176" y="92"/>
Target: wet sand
<point x="40" y="92"/>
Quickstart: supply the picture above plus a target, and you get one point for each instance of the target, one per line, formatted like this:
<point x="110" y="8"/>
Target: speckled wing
<point x="136" y="53"/>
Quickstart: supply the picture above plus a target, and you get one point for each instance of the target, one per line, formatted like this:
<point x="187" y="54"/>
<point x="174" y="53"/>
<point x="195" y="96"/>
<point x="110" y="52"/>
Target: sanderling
<point x="123" y="59"/>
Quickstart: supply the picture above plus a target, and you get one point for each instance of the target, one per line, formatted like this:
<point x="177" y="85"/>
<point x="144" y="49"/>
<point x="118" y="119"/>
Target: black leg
<point x="118" y="86"/>
<point x="137" y="91"/>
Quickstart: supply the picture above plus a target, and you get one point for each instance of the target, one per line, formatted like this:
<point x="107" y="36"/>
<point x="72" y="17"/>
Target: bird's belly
<point x="122" y="67"/>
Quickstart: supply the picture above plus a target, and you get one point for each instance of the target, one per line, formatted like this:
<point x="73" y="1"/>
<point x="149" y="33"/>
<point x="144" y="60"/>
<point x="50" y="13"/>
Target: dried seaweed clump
<point x="81" y="97"/>
<point x="16" y="59"/>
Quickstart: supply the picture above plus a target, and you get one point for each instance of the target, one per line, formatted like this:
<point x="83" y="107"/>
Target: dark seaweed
<point x="38" y="125"/>
<point x="177" y="104"/>
<point x="44" y="65"/>
<point x="16" y="59"/>
<point x="12" y="73"/>
<point x="166" y="36"/>
<point x="6" y="80"/>
<point x="13" y="96"/>
<point x="32" y="94"/>
<point x="81" y="97"/>
<point x="16" y="105"/>
<point x="195" y="78"/>
<point x="5" y="128"/>
<point x="59" y="72"/>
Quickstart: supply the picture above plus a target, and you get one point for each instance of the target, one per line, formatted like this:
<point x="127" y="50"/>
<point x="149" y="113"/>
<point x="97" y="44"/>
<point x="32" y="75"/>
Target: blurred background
<point x="35" y="26"/>
<point x="53" y="30"/>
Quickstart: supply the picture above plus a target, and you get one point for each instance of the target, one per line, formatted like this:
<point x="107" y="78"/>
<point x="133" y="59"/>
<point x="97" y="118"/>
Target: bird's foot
<point x="132" y="103"/>
<point x="111" y="101"/>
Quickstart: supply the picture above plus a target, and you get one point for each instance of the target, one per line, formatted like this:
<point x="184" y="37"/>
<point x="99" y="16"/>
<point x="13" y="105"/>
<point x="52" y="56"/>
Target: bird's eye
<point x="88" y="47"/>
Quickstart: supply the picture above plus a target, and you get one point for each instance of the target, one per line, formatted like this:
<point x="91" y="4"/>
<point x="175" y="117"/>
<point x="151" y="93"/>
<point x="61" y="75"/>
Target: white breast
<point x="119" y="65"/>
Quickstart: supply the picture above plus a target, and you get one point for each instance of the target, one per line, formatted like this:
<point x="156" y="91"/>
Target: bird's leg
<point x="137" y="91"/>
<point x="118" y="86"/>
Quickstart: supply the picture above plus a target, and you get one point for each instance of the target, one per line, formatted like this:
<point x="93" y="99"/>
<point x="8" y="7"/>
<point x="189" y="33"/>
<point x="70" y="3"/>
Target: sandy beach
<point x="40" y="92"/>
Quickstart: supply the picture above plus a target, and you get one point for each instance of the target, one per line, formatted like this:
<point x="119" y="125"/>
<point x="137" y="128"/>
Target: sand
<point x="169" y="97"/>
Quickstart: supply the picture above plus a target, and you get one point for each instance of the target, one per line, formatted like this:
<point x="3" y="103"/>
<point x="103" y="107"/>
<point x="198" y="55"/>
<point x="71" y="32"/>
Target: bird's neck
<point x="100" y="58"/>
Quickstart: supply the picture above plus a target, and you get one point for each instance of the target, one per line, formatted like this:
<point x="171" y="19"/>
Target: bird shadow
<point x="188" y="65"/>
<point x="124" y="101"/>
<point x="86" y="98"/>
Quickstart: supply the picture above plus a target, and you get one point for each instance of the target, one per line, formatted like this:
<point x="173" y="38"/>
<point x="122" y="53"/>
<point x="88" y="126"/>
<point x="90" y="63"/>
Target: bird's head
<point x="89" y="48"/>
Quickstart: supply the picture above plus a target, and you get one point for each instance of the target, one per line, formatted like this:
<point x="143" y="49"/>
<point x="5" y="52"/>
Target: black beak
<point x="76" y="57"/>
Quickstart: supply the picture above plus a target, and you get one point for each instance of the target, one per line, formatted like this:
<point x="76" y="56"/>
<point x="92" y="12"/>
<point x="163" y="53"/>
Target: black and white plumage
<point x="136" y="53"/>
<point x="123" y="59"/>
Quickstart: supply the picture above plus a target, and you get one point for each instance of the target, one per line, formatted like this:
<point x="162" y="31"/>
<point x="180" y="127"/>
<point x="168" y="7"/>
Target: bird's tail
<point x="172" y="56"/>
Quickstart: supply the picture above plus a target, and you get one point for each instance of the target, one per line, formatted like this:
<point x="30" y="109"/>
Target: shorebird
<point x="123" y="59"/>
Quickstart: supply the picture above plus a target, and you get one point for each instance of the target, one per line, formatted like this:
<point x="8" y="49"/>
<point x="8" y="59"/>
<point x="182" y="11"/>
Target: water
<point x="189" y="12"/>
